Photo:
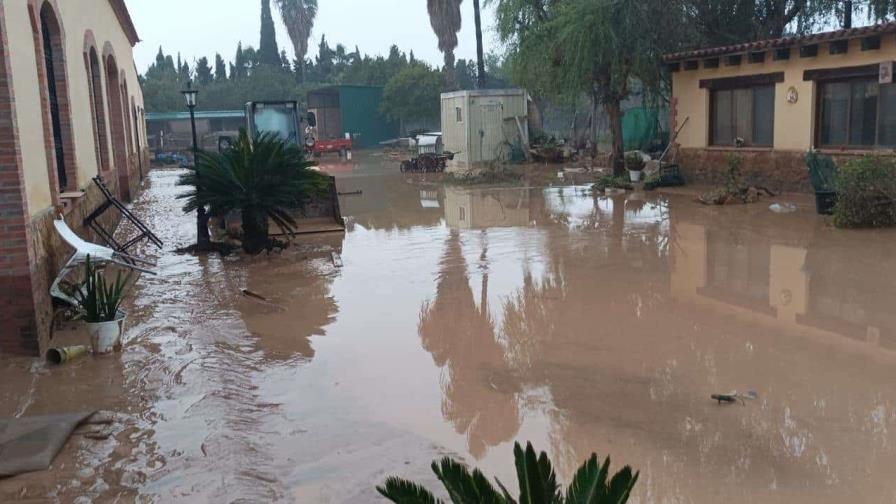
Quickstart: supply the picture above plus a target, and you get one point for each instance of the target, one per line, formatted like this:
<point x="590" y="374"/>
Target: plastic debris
<point x="782" y="208"/>
<point x="65" y="354"/>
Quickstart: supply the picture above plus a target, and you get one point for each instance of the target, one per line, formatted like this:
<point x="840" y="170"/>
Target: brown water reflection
<point x="465" y="319"/>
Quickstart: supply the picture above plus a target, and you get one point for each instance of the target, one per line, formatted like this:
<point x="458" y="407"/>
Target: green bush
<point x="867" y="193"/>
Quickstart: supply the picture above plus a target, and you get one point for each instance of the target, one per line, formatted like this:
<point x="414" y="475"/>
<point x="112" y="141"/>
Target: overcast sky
<point x="197" y="28"/>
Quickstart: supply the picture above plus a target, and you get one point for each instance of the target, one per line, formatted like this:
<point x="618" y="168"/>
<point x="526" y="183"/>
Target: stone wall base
<point x="777" y="170"/>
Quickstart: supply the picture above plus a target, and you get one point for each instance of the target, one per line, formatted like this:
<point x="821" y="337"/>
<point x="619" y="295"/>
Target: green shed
<point x="352" y="109"/>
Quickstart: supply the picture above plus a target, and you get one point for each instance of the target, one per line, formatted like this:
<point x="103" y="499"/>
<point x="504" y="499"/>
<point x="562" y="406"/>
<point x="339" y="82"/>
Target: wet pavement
<point x="464" y="319"/>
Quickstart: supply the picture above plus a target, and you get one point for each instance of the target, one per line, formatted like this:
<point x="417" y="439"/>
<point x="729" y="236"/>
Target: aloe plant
<point x="99" y="300"/>
<point x="592" y="483"/>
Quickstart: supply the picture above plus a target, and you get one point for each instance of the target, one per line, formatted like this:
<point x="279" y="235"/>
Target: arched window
<point x="116" y="118"/>
<point x="98" y="109"/>
<point x="48" y="38"/>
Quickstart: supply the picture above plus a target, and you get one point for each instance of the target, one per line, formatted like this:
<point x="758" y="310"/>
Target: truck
<point x="286" y="120"/>
<point x="291" y="124"/>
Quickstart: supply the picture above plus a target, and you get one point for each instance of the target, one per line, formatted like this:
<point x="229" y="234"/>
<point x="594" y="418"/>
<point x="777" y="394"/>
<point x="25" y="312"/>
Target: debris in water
<point x="63" y="355"/>
<point x="337" y="259"/>
<point x="734" y="397"/>
<point x="248" y="293"/>
<point x="782" y="208"/>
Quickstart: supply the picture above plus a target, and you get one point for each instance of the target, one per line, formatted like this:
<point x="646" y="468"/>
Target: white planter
<point x="634" y="176"/>
<point x="105" y="337"/>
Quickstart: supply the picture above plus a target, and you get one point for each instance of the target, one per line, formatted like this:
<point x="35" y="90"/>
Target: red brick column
<point x="18" y="329"/>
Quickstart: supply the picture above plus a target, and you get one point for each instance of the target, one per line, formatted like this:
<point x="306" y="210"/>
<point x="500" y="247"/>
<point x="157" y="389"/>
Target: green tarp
<point x="641" y="128"/>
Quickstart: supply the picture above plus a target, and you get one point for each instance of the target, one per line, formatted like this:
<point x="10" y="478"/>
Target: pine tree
<point x="284" y="61"/>
<point x="268" y="52"/>
<point x="220" y="69"/>
<point x="239" y="68"/>
<point x="203" y="71"/>
<point x="324" y="60"/>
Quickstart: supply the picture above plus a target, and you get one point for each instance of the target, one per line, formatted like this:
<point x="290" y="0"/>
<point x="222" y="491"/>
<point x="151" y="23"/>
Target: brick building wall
<point x="31" y="196"/>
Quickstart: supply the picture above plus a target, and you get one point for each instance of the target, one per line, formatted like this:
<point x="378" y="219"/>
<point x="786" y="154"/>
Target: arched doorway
<point x="52" y="54"/>
<point x="116" y="118"/>
<point x="95" y="75"/>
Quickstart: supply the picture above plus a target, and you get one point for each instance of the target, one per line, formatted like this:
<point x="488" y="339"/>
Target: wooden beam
<point x="691" y="65"/>
<point x="734" y="60"/>
<point x="871" y="43"/>
<point x="818" y="74"/>
<point x="838" y="47"/>
<point x="756" y="57"/>
<point x="742" y="81"/>
<point x="711" y="63"/>
<point x="782" y="53"/>
<point x="809" y="51"/>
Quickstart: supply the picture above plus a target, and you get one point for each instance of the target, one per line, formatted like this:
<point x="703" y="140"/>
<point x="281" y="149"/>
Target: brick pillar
<point x="18" y="327"/>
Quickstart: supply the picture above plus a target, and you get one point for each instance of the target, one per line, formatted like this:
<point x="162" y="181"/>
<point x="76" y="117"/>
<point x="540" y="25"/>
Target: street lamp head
<point x="190" y="95"/>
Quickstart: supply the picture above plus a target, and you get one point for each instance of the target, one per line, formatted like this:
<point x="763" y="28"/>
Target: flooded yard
<point x="460" y="320"/>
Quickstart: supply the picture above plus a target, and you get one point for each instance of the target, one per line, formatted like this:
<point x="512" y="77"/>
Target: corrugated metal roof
<point x="185" y="116"/>
<point x="864" y="31"/>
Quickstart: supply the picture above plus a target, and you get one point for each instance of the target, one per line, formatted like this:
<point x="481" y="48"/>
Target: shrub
<point x="634" y="161"/>
<point x="593" y="483"/>
<point x="263" y="177"/>
<point x="867" y="193"/>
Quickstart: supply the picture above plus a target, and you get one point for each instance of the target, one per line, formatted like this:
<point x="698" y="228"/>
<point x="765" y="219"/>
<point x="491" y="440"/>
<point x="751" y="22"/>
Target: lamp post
<point x="203" y="240"/>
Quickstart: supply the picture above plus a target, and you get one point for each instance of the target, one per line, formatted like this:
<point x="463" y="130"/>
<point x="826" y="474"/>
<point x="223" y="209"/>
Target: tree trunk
<point x="449" y="70"/>
<point x="480" y="61"/>
<point x="592" y="133"/>
<point x="255" y="231"/>
<point x="847" y="14"/>
<point x="614" y="114"/>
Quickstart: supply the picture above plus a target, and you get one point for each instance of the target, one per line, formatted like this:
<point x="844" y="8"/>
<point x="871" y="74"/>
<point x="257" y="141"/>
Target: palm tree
<point x="538" y="483"/>
<point x="264" y="178"/>
<point x="480" y="61"/>
<point x="445" y="18"/>
<point x="298" y="16"/>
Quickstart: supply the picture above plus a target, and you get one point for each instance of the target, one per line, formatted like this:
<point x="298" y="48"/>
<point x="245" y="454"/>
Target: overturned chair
<point x="92" y="222"/>
<point x="99" y="255"/>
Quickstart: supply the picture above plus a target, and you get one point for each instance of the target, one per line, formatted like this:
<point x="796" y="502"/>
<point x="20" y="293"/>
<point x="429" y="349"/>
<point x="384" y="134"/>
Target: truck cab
<point x="283" y="118"/>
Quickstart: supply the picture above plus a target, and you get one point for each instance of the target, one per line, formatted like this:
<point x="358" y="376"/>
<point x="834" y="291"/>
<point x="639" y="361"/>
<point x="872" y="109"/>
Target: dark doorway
<point x="53" y="96"/>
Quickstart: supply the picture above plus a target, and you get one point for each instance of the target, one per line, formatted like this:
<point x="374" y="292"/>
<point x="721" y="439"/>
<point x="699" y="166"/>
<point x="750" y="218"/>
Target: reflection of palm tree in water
<point x="479" y="397"/>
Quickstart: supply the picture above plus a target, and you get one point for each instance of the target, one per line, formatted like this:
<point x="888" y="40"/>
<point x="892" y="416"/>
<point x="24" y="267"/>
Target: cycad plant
<point x="264" y="178"/>
<point x="98" y="300"/>
<point x="592" y="484"/>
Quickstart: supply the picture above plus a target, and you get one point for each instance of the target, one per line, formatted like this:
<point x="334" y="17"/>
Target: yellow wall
<point x="794" y="123"/>
<point x="76" y="18"/>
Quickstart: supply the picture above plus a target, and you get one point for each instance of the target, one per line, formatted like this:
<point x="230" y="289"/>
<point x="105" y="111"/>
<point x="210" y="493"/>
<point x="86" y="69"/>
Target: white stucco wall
<point x="76" y="17"/>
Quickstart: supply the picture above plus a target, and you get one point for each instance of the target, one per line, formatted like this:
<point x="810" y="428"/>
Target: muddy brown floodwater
<point x="462" y="320"/>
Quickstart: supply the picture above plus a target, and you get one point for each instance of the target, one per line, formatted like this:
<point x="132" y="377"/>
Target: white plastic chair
<point x="99" y="256"/>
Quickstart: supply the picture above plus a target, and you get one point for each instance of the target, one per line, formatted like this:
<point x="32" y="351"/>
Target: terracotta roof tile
<point x="760" y="45"/>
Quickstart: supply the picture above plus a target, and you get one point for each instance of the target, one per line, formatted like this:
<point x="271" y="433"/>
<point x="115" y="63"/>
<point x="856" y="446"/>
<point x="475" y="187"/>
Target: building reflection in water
<point x="643" y="308"/>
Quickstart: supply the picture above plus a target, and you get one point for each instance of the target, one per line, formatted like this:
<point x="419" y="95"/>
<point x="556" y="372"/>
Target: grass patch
<point x="487" y="176"/>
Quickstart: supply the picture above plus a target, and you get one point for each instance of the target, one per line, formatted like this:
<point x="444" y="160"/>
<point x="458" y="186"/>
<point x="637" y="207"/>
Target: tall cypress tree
<point x="268" y="52"/>
<point x="220" y="69"/>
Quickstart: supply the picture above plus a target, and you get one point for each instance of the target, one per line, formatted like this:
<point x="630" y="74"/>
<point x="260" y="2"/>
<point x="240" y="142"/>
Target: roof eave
<point x="127" y="23"/>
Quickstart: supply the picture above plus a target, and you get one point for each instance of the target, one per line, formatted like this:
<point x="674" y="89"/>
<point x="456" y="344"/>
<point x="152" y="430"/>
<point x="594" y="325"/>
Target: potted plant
<point x="99" y="306"/>
<point x="635" y="164"/>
